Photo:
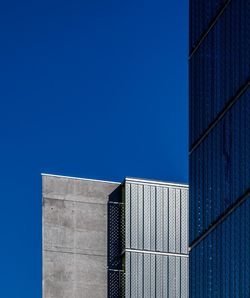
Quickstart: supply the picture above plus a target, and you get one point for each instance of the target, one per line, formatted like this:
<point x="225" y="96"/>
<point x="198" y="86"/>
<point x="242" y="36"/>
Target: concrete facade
<point x="75" y="237"/>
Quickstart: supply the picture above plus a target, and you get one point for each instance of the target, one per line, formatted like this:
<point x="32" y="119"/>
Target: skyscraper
<point x="219" y="154"/>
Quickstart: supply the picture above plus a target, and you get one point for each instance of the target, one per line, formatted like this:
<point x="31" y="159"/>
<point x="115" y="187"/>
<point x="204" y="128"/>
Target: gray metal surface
<point x="156" y="276"/>
<point x="156" y="239"/>
<point x="75" y="237"/>
<point x="156" y="218"/>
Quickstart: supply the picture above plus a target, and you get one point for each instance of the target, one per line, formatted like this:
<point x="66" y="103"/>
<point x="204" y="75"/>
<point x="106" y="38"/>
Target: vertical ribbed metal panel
<point x="153" y="276"/>
<point x="159" y="218"/>
<point x="140" y="217"/>
<point x="178" y="221"/>
<point x="134" y="275"/>
<point x="151" y="213"/>
<point x="163" y="276"/>
<point x="172" y="231"/>
<point x="128" y="275"/>
<point x="146" y="211"/>
<point x="156" y="276"/>
<point x="147" y="276"/>
<point x="165" y="290"/>
<point x="159" y="276"/>
<point x="134" y="216"/>
<point x="127" y="215"/>
<point x="158" y="230"/>
<point x="140" y="273"/>
<point x="184" y="278"/>
<point x="165" y="219"/>
<point x="172" y="280"/>
<point x="152" y="219"/>
<point x="177" y="276"/>
<point x="184" y="221"/>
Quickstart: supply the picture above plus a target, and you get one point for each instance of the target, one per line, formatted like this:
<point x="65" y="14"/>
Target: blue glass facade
<point x="220" y="264"/>
<point x="219" y="66"/>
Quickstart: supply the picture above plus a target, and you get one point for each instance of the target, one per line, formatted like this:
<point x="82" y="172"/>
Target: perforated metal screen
<point x="115" y="245"/>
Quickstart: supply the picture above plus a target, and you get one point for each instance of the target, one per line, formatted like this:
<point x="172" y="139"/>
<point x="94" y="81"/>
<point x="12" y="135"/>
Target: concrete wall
<point x="75" y="237"/>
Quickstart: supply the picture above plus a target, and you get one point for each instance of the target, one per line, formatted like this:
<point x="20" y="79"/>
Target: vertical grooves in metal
<point x="153" y="276"/>
<point x="157" y="224"/>
<point x="184" y="221"/>
<point x="140" y="217"/>
<point x="146" y="220"/>
<point x="153" y="212"/>
<point x="178" y="221"/>
<point x="128" y="215"/>
<point x="166" y="220"/>
<point x="128" y="275"/>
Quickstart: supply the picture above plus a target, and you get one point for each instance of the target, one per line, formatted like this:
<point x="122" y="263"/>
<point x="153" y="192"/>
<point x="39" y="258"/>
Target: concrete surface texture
<point x="75" y="237"/>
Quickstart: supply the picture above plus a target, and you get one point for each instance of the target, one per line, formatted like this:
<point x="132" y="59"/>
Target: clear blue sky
<point x="93" y="89"/>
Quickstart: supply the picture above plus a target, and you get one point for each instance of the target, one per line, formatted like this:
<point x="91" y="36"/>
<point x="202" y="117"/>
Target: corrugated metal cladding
<point x="156" y="218"/>
<point x="156" y="239"/>
<point x="151" y="275"/>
